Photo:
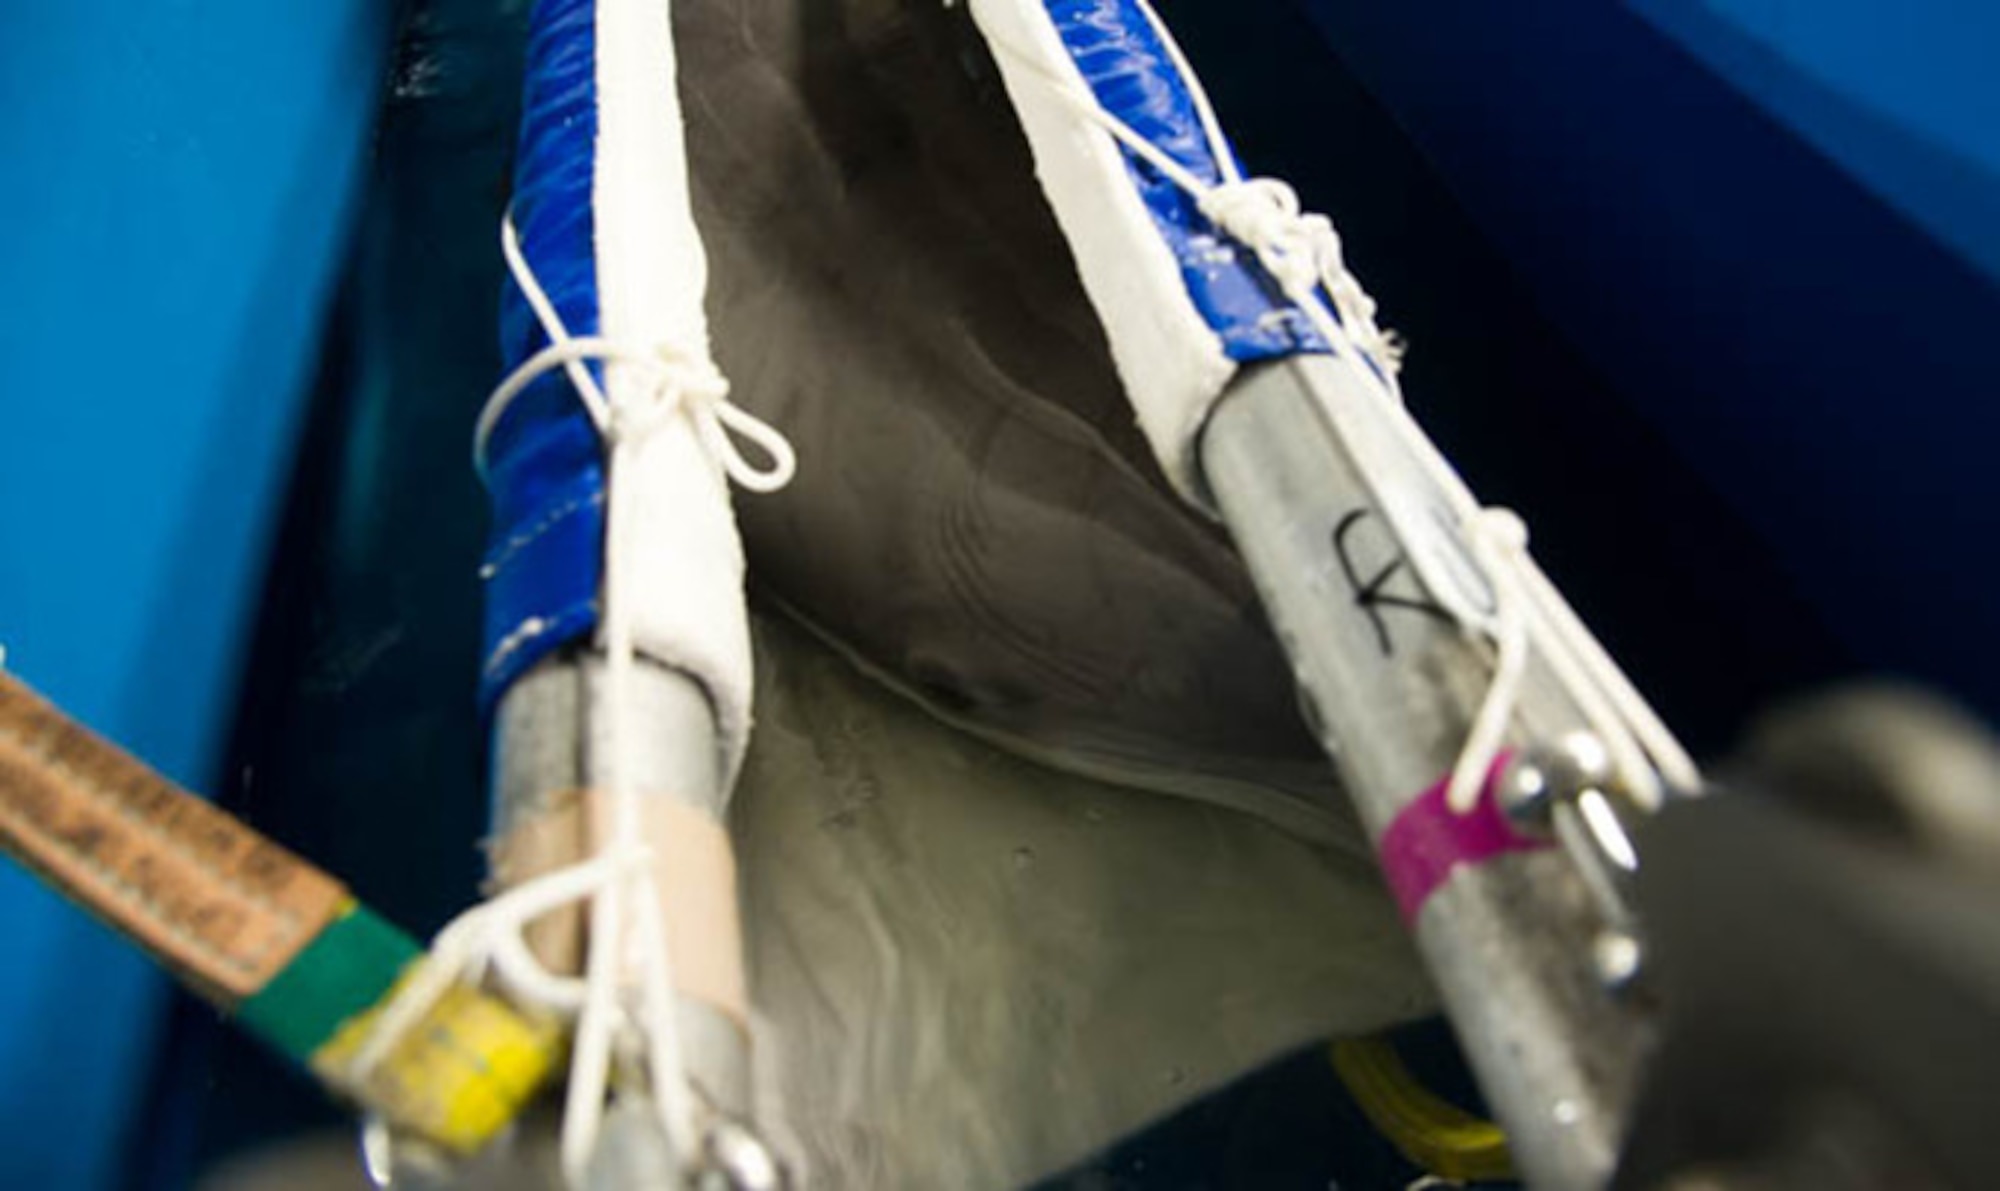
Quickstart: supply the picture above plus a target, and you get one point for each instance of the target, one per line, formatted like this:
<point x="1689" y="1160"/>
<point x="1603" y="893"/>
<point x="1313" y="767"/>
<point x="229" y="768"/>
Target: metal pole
<point x="549" y="744"/>
<point x="1389" y="684"/>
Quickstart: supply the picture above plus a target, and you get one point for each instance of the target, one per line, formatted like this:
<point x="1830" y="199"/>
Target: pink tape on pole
<point x="1427" y="841"/>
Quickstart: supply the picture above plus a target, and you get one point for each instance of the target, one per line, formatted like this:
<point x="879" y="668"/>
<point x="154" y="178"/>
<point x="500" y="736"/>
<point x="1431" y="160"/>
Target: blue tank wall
<point x="1774" y="227"/>
<point x="175" y="182"/>
<point x="1901" y="96"/>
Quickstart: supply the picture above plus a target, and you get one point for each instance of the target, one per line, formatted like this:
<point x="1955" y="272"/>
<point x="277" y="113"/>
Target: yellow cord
<point x="1438" y="1136"/>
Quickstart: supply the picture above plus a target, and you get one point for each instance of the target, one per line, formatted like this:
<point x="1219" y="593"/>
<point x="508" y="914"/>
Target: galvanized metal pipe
<point x="1390" y="687"/>
<point x="550" y="742"/>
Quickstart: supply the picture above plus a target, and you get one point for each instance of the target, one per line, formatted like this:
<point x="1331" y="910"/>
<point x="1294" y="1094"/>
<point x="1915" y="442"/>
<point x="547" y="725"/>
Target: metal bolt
<point x="743" y="1159"/>
<point x="1543" y="774"/>
<point x="1525" y="794"/>
<point x="1579" y="761"/>
<point x="378" y="1151"/>
<point x="1618" y="957"/>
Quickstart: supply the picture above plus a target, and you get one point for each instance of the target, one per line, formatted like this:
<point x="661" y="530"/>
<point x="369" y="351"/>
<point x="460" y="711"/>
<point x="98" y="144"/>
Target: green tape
<point x="344" y="971"/>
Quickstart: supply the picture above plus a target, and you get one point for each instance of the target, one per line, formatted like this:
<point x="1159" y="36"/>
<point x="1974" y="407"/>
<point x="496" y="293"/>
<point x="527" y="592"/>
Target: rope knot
<point x="680" y="381"/>
<point x="684" y="383"/>
<point x="1264" y="214"/>
<point x="625" y="1001"/>
<point x="1301" y="250"/>
<point x="676" y="382"/>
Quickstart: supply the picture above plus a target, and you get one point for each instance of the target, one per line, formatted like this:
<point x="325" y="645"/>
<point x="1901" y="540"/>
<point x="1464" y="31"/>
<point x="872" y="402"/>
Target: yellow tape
<point x="1436" y="1135"/>
<point x="458" y="1076"/>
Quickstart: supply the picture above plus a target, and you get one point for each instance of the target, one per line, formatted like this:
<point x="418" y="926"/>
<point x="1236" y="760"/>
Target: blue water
<point x="1773" y="227"/>
<point x="1902" y="95"/>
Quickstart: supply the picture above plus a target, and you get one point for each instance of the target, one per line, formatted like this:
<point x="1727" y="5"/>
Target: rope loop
<point x="1302" y="252"/>
<point x="676" y="382"/>
<point x="623" y="1004"/>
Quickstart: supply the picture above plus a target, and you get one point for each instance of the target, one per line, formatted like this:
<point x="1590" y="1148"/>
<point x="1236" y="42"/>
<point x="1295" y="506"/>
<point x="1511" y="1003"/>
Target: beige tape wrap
<point x="541" y="840"/>
<point x="695" y="870"/>
<point x="209" y="897"/>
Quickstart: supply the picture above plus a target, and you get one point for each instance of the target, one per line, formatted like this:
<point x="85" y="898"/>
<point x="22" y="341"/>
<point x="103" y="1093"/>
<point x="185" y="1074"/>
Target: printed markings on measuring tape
<point x="223" y="907"/>
<point x="255" y="929"/>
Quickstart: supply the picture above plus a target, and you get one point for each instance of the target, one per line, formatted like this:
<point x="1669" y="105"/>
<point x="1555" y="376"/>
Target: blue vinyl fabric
<point x="1120" y="56"/>
<point x="177" y="183"/>
<point x="545" y="465"/>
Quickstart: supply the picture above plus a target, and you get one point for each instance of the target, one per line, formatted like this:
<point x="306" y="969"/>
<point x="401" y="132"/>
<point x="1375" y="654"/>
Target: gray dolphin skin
<point x="976" y="517"/>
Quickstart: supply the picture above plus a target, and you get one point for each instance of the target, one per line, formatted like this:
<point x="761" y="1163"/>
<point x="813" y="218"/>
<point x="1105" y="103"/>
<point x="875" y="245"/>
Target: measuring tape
<point x="268" y="938"/>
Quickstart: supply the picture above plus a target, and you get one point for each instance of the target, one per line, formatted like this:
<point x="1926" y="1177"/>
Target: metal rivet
<point x="1525" y="794"/>
<point x="1559" y="770"/>
<point x="1618" y="957"/>
<point x="743" y="1159"/>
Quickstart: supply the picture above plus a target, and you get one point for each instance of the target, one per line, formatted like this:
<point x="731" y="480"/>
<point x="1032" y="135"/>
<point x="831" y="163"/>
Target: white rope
<point x="1302" y="253"/>
<point x="461" y="949"/>
<point x="679" y="385"/>
<point x="628" y="950"/>
<point x="1499" y="539"/>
